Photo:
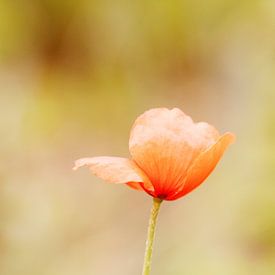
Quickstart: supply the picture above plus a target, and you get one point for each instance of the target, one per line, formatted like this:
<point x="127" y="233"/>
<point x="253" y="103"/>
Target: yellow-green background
<point x="73" y="77"/>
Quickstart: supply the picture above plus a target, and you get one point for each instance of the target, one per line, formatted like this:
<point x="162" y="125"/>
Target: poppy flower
<point x="170" y="155"/>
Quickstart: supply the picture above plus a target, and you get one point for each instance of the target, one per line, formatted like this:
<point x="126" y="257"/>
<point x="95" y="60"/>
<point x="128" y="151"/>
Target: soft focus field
<point x="73" y="77"/>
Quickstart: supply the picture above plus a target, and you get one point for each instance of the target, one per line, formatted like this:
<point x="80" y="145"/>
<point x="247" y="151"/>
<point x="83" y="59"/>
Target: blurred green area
<point x="73" y="77"/>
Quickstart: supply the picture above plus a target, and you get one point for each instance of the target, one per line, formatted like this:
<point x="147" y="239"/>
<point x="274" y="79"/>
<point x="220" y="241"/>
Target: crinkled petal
<point x="204" y="165"/>
<point x="164" y="143"/>
<point x="112" y="169"/>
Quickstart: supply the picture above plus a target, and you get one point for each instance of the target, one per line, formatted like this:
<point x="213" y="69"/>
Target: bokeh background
<point x="73" y="77"/>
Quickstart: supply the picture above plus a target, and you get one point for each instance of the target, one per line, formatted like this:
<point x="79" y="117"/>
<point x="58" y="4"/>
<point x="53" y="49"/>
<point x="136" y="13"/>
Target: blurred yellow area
<point x="73" y="77"/>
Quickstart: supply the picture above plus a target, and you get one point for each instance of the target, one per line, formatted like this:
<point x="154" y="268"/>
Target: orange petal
<point x="204" y="165"/>
<point x="135" y="185"/>
<point x="164" y="143"/>
<point x="112" y="169"/>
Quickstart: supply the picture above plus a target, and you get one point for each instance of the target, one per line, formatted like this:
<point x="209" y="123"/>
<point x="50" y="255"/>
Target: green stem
<point x="150" y="236"/>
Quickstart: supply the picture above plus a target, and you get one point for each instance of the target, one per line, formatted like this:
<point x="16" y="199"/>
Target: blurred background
<point x="74" y="75"/>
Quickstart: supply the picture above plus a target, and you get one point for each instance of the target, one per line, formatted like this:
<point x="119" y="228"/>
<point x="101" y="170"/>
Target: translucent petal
<point x="112" y="169"/>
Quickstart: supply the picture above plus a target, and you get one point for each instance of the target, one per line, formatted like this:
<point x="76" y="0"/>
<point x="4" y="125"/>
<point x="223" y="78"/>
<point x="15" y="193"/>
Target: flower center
<point x="162" y="196"/>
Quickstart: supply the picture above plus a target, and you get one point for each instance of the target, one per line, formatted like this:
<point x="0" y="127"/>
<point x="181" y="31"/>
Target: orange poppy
<point x="170" y="155"/>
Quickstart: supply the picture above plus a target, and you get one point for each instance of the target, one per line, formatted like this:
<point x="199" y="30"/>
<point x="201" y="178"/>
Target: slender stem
<point x="150" y="236"/>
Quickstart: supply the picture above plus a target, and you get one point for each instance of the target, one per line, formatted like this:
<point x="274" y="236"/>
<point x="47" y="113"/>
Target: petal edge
<point x="111" y="169"/>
